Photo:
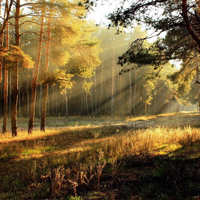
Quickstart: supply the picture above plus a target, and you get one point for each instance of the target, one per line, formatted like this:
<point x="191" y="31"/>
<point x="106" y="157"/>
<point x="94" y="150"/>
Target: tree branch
<point x="188" y="23"/>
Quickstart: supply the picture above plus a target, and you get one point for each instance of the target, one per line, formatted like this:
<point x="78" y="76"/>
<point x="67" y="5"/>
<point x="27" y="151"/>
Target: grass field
<point x="103" y="158"/>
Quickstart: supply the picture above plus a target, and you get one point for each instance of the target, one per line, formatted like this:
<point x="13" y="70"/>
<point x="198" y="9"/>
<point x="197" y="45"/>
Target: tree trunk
<point x="27" y="96"/>
<point x="66" y="102"/>
<point x="91" y="99"/>
<point x="134" y="101"/>
<point x="112" y="90"/>
<point x="19" y="100"/>
<point x="15" y="75"/>
<point x="101" y="89"/>
<point x="120" y="96"/>
<point x="10" y="96"/>
<point x="5" y="108"/>
<point x="56" y="99"/>
<point x="44" y="106"/>
<point x="130" y="94"/>
<point x="45" y="90"/>
<point x="34" y="81"/>
<point x="95" y="94"/>
<point x="2" y="38"/>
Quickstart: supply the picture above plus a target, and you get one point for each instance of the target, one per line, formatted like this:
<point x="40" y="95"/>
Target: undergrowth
<point x="101" y="163"/>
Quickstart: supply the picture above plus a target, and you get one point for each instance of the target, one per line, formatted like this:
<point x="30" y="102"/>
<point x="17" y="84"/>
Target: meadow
<point x="150" y="157"/>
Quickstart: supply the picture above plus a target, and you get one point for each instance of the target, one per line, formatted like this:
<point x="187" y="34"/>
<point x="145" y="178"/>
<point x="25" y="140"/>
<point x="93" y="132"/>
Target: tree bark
<point x="15" y="75"/>
<point x="91" y="99"/>
<point x="100" y="100"/>
<point x="188" y="23"/>
<point x="34" y="81"/>
<point x="3" y="26"/>
<point x="5" y="108"/>
<point x="95" y="94"/>
<point x="45" y="90"/>
<point x="66" y="102"/>
<point x="134" y="101"/>
<point x="112" y="89"/>
<point x="130" y="95"/>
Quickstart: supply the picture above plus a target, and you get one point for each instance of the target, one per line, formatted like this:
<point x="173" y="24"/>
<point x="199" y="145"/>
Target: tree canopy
<point x="177" y="19"/>
<point x="175" y="25"/>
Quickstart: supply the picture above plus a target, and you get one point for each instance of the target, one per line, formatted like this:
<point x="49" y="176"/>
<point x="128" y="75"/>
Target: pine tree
<point x="34" y="81"/>
<point x="5" y="110"/>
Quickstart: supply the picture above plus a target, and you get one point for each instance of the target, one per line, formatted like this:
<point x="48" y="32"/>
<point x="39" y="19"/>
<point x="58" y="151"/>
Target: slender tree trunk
<point x="146" y="108"/>
<point x="130" y="94"/>
<point x="91" y="96"/>
<point x="120" y="96"/>
<point x="7" y="11"/>
<point x="48" y="109"/>
<point x="19" y="101"/>
<point x="27" y="97"/>
<point x="44" y="106"/>
<point x="53" y="101"/>
<point x="5" y="108"/>
<point x="95" y="94"/>
<point x="139" y="100"/>
<point x="1" y="59"/>
<point x="81" y="99"/>
<point x="56" y="99"/>
<point x="34" y="81"/>
<point x="86" y="102"/>
<point x="15" y="75"/>
<point x="66" y="102"/>
<point x="197" y="78"/>
<point x="134" y="93"/>
<point x="101" y="89"/>
<point x="112" y="91"/>
<point x="38" y="110"/>
<point x="45" y="90"/>
<point x="70" y="104"/>
<point x="1" y="39"/>
<point x="10" y="96"/>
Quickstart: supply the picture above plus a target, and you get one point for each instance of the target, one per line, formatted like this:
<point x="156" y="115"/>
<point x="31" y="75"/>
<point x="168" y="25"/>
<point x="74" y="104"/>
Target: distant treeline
<point x="110" y="95"/>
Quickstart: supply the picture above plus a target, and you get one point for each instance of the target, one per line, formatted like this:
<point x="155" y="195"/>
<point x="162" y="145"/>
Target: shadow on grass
<point x="75" y="168"/>
<point x="23" y="162"/>
<point x="156" y="177"/>
<point x="148" y="176"/>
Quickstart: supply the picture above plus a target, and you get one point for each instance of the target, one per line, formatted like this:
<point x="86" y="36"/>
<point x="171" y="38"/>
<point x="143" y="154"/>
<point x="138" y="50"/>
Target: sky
<point x="100" y="12"/>
<point x="99" y="16"/>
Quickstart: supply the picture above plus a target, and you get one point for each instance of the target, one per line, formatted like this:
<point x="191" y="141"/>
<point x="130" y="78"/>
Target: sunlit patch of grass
<point x="126" y="143"/>
<point x="96" y="195"/>
<point x="22" y="135"/>
<point x="167" y="114"/>
<point x="170" y="119"/>
<point x="38" y="150"/>
<point x="140" y="118"/>
<point x="150" y="139"/>
<point x="77" y="155"/>
<point x="165" y="149"/>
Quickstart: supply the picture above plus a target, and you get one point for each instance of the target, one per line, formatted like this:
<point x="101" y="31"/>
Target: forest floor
<point x="179" y="119"/>
<point x="149" y="157"/>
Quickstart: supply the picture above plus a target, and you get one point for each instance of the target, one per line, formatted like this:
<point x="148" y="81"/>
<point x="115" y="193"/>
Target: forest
<point x="99" y="110"/>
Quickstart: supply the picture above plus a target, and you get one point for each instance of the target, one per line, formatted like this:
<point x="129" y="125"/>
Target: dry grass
<point x="57" y="162"/>
<point x="81" y="139"/>
<point x="115" y="143"/>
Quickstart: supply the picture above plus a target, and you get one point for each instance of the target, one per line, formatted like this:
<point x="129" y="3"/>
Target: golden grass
<point x="75" y="150"/>
<point x="142" y="118"/>
<point x="22" y="135"/>
<point x="182" y="113"/>
<point x="160" y="140"/>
